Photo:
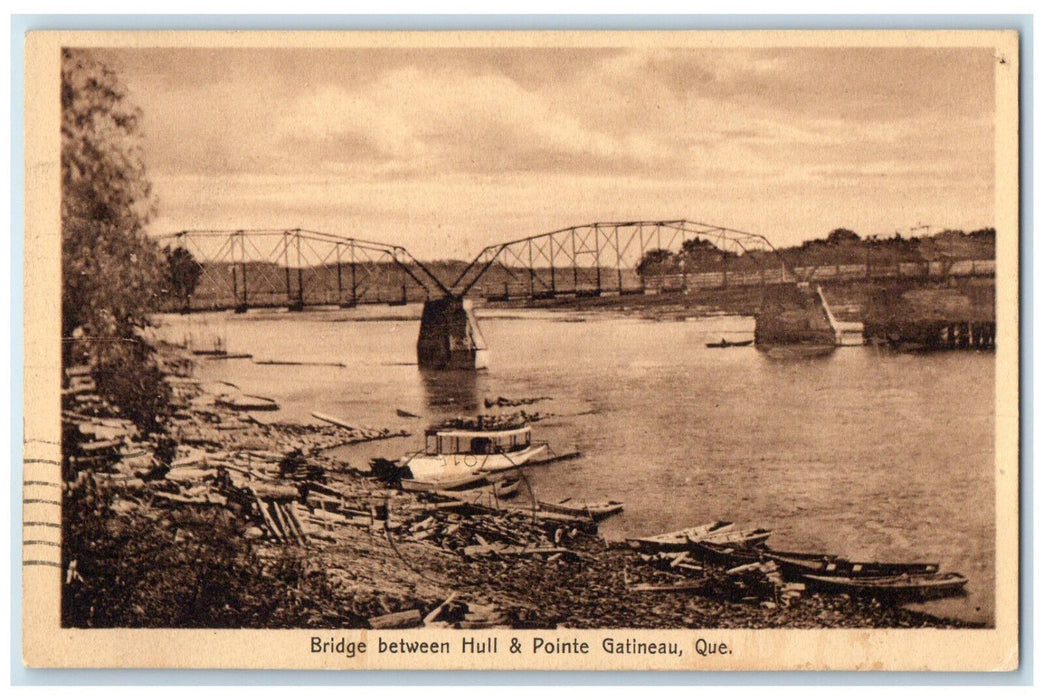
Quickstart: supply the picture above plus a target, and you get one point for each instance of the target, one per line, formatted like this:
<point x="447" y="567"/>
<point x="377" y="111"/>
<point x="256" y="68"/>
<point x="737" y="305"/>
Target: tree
<point x="183" y="273"/>
<point x="111" y="271"/>
<point x="840" y="236"/>
<point x="652" y="260"/>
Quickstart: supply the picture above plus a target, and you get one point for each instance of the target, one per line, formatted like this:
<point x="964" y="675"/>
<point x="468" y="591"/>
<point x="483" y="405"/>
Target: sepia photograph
<point x="625" y="348"/>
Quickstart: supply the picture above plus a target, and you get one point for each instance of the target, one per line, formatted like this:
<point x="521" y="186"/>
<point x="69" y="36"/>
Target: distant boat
<point x="731" y="344"/>
<point x="906" y="587"/>
<point x="582" y="509"/>
<point x="679" y="540"/>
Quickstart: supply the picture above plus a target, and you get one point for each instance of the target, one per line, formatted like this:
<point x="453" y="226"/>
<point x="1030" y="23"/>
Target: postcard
<point x="521" y="350"/>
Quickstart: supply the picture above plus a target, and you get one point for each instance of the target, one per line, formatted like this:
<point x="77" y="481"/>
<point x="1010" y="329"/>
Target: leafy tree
<point x="183" y="273"/>
<point x="652" y="260"/>
<point x="111" y="270"/>
<point x="841" y="236"/>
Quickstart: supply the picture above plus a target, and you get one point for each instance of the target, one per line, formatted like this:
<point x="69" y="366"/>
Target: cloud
<point x="401" y="140"/>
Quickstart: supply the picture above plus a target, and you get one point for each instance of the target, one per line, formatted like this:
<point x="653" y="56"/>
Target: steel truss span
<point x="621" y="257"/>
<point x="297" y="267"/>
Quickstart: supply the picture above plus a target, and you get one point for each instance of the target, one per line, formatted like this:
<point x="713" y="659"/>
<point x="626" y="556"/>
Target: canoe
<point x="906" y="587"/>
<point x="798" y="563"/>
<point x="742" y="538"/>
<point x="582" y="509"/>
<point x="449" y="483"/>
<point x="728" y="344"/>
<point x="680" y="540"/>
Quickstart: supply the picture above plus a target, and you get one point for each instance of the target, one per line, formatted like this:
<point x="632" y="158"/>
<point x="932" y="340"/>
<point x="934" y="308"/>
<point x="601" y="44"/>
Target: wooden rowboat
<point x="742" y="538"/>
<point x="892" y="588"/>
<point x="582" y="509"/>
<point x="796" y="564"/>
<point x="449" y="483"/>
<point x="247" y="402"/>
<point x="680" y="540"/>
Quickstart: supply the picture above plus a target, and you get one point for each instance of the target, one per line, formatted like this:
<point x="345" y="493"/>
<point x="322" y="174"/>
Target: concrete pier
<point x="795" y="315"/>
<point x="450" y="337"/>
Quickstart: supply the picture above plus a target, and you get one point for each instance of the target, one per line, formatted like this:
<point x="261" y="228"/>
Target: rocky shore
<point x="229" y="519"/>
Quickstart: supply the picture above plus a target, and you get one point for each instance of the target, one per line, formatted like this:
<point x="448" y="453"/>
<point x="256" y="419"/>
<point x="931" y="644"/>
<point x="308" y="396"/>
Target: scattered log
<point x="397" y="620"/>
<point x="434" y="614"/>
<point x="667" y="588"/>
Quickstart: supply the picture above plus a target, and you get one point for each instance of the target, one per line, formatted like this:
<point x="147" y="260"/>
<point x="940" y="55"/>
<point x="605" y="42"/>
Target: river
<point x="867" y="453"/>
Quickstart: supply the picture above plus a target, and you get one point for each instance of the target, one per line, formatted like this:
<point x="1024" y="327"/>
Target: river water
<point x="867" y="453"/>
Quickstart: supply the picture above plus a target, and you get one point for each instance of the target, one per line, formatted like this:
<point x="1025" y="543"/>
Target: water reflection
<point x="451" y="391"/>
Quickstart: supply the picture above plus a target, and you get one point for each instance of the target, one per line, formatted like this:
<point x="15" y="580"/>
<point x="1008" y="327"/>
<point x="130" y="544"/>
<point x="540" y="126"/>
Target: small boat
<point x="726" y="554"/>
<point x="508" y="488"/>
<point x="730" y="344"/>
<point x="680" y="540"/>
<point x="796" y="564"/>
<point x="799" y="563"/>
<point x="742" y="538"/>
<point x="893" y="588"/>
<point x="485" y="444"/>
<point x="457" y="482"/>
<point x="582" y="509"/>
<point x="247" y="402"/>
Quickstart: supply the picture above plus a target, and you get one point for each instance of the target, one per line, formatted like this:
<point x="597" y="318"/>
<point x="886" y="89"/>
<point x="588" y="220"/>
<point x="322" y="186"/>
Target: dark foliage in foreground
<point x="182" y="568"/>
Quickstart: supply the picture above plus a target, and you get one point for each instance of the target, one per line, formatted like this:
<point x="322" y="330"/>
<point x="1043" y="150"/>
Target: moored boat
<point x="731" y="344"/>
<point x="582" y="509"/>
<point x="680" y="540"/>
<point x="743" y="538"/>
<point x="485" y="444"/>
<point x="449" y="483"/>
<point x="906" y="587"/>
<point x="247" y="402"/>
<point x="795" y="564"/>
<point x="799" y="563"/>
<point x="725" y="554"/>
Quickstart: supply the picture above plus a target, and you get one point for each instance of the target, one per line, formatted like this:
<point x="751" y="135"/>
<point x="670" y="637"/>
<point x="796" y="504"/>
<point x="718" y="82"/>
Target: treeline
<point x="840" y="247"/>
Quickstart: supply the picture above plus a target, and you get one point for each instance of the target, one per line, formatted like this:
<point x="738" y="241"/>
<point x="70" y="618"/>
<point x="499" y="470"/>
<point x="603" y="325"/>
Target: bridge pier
<point x="449" y="336"/>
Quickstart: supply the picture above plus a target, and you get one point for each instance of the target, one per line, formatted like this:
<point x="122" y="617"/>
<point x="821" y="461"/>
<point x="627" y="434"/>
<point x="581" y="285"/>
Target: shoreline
<point x="367" y="556"/>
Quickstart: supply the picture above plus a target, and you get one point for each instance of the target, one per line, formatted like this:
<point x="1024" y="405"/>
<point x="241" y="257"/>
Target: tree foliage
<point x="111" y="270"/>
<point x="653" y="259"/>
<point x="183" y="273"/>
<point x="840" y="236"/>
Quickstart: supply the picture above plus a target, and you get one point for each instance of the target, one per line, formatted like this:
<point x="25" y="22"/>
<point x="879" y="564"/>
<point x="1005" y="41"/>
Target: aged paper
<point x="344" y="350"/>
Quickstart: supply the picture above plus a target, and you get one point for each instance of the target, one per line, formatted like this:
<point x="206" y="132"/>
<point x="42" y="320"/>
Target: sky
<point x="447" y="150"/>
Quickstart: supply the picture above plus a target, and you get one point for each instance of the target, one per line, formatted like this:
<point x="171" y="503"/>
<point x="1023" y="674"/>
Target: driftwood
<point x="211" y="499"/>
<point x="408" y="618"/>
<point x="667" y="588"/>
